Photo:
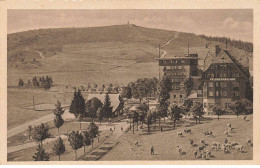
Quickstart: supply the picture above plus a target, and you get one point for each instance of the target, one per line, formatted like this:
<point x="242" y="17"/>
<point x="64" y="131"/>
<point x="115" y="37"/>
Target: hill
<point x="111" y="54"/>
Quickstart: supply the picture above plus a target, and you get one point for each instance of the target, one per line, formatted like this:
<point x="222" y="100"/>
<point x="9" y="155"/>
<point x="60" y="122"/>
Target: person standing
<point x="152" y="150"/>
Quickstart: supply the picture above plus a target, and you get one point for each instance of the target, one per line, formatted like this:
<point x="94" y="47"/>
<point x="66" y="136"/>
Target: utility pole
<point x="159" y="62"/>
<point x="188" y="49"/>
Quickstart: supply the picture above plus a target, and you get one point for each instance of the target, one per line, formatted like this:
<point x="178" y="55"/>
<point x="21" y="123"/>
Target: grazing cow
<point x="179" y="150"/>
<point x="187" y="131"/>
<point x="202" y="141"/>
<point x="239" y="147"/>
<point x="204" y="155"/>
<point x="195" y="153"/>
<point x="228" y="125"/>
<point x="201" y="148"/>
<point x="248" y="141"/>
<point x="136" y="143"/>
<point x="225" y="140"/>
<point x="233" y="144"/>
<point x="208" y="152"/>
<point x="179" y="134"/>
<point x="208" y="133"/>
<point x="230" y="129"/>
<point x="191" y="141"/>
<point x="228" y="145"/>
<point x="226" y="133"/>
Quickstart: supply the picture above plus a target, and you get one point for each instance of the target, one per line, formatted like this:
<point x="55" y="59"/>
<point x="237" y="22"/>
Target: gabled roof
<point x="225" y="57"/>
<point x="114" y="99"/>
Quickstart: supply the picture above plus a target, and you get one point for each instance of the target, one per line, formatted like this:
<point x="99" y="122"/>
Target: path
<point x="168" y="42"/>
<point x="32" y="144"/>
<point x="108" y="144"/>
<point x="44" y="119"/>
<point x="40" y="54"/>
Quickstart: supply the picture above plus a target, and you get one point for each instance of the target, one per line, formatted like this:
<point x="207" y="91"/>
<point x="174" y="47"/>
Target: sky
<point x="233" y="23"/>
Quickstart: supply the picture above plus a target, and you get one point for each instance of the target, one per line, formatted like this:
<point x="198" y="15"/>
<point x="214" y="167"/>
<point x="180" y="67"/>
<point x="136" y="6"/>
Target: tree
<point x="175" y="113"/>
<point x="100" y="114"/>
<point x="20" y="83"/>
<point x="80" y="118"/>
<point x="187" y="105"/>
<point x="93" y="131"/>
<point x="149" y="119"/>
<point x="41" y="155"/>
<point x="165" y="87"/>
<point x="188" y="85"/>
<point x="58" y="110"/>
<point x="126" y="92"/>
<point x="197" y="111"/>
<point x="107" y="108"/>
<point x="86" y="139"/>
<point x="77" y="105"/>
<point x="154" y="116"/>
<point x="92" y="106"/>
<point x="143" y="109"/>
<point x="58" y="122"/>
<point x="58" y="147"/>
<point x="239" y="108"/>
<point x="218" y="110"/>
<point x="76" y="141"/>
<point x="29" y="129"/>
<point x="40" y="133"/>
<point x="35" y="82"/>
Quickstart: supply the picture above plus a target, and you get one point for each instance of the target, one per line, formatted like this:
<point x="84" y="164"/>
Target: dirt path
<point x="168" y="42"/>
<point x="40" y="54"/>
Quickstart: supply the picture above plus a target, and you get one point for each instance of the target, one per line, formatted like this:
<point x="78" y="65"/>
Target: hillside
<point x="117" y="54"/>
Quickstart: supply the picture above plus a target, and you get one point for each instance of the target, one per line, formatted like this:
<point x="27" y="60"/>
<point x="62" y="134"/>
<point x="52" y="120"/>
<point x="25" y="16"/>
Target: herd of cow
<point x="204" y="151"/>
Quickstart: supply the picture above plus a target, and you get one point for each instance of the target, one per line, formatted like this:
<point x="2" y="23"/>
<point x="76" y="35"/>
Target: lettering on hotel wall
<point x="222" y="79"/>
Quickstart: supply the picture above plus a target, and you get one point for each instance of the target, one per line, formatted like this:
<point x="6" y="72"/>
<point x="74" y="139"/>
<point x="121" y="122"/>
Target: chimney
<point x="218" y="49"/>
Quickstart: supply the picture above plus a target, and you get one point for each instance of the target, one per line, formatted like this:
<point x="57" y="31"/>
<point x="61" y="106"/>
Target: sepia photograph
<point x="130" y="85"/>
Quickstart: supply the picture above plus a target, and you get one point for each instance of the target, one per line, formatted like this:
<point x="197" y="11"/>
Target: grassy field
<point x="18" y="101"/>
<point x="165" y="143"/>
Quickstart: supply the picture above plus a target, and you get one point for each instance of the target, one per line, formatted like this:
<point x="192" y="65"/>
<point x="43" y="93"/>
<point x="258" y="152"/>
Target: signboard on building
<point x="222" y="79"/>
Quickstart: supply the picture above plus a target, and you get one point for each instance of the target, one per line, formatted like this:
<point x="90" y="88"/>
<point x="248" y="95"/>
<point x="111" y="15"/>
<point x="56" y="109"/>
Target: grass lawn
<point x="18" y="101"/>
<point x="165" y="143"/>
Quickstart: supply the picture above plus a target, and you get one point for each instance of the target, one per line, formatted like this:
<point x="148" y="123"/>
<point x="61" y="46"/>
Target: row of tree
<point x="76" y="139"/>
<point x="43" y="82"/>
<point x="141" y="88"/>
<point x="247" y="46"/>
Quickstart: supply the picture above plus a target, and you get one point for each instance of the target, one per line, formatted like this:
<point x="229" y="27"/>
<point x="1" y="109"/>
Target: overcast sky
<point x="235" y="23"/>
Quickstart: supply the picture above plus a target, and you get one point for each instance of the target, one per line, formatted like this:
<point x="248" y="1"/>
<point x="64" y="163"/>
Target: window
<point x="223" y="93"/>
<point x="208" y="75"/>
<point x="236" y="93"/>
<point x="223" y="84"/>
<point x="183" y="61"/>
<point x="211" y="93"/>
<point x="199" y="91"/>
<point x="174" y="96"/>
<point x="217" y="93"/>
<point x="224" y="75"/>
<point x="235" y="84"/>
<point x="180" y="96"/>
<point x="211" y="84"/>
<point x="217" y="84"/>
<point x="227" y="105"/>
<point x="212" y="75"/>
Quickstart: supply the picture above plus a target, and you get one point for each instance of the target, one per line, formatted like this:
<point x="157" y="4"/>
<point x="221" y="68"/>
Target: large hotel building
<point x="222" y="82"/>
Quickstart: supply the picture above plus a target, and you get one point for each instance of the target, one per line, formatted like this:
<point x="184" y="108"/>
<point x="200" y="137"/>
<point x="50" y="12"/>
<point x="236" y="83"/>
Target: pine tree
<point x="78" y="105"/>
<point x="41" y="155"/>
<point x="107" y="108"/>
<point x="58" y="122"/>
<point x="58" y="110"/>
<point x="20" y="83"/>
<point x="76" y="141"/>
<point x="58" y="147"/>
